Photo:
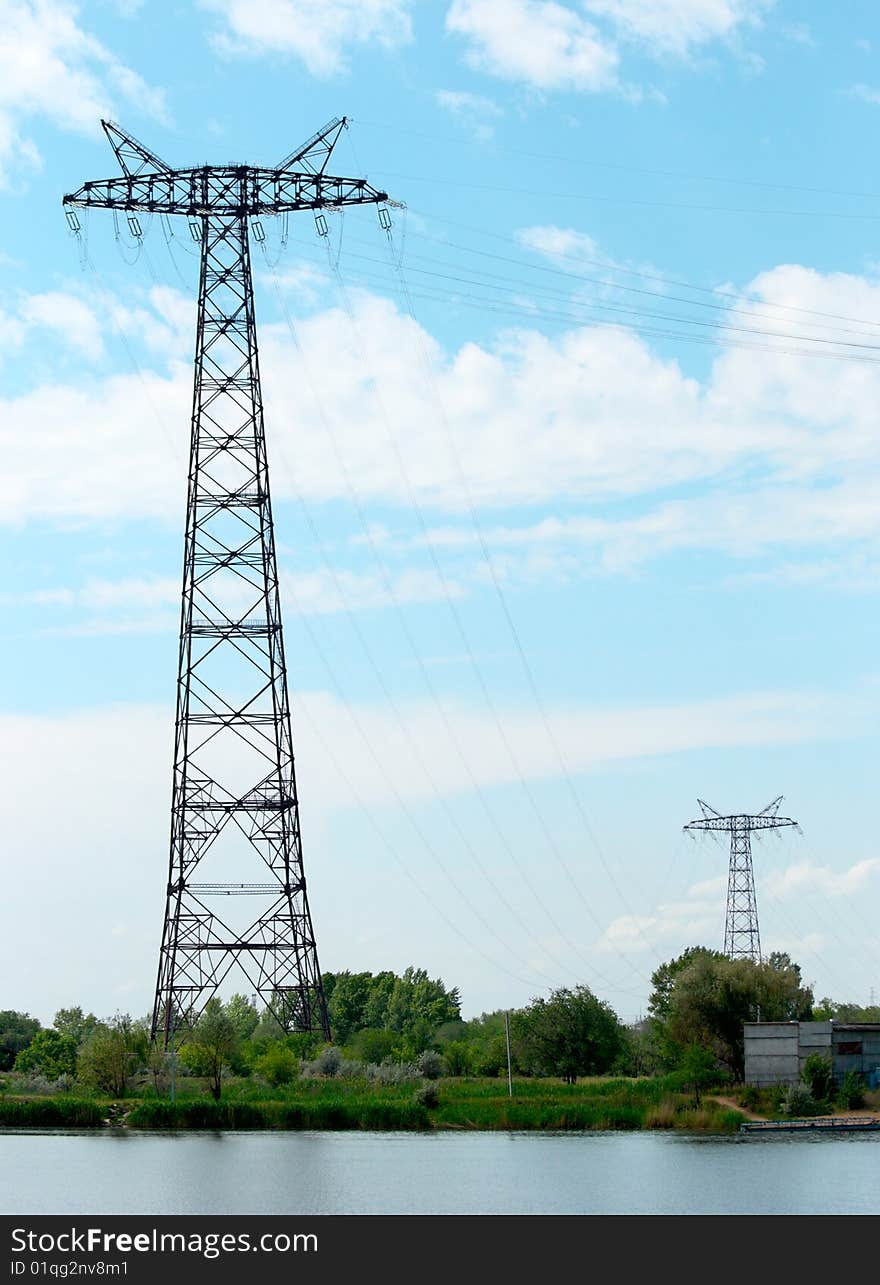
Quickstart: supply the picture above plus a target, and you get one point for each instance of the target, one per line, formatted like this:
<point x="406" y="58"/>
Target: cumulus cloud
<point x="318" y="32"/>
<point x="545" y="44"/>
<point x="549" y="45"/>
<point x="783" y="446"/>
<point x="51" y="67"/>
<point x="678" y="26"/>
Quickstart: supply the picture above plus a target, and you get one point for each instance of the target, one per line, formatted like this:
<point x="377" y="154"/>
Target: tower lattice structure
<point x="742" y="939"/>
<point x="235" y="828"/>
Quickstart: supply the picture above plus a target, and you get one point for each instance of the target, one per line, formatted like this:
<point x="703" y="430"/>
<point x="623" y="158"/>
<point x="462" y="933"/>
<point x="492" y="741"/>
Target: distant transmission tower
<point x="234" y="809"/>
<point x="741" y="937"/>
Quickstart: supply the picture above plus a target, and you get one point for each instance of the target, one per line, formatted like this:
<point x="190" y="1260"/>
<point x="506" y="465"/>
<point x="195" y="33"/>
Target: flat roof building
<point x="775" y="1052"/>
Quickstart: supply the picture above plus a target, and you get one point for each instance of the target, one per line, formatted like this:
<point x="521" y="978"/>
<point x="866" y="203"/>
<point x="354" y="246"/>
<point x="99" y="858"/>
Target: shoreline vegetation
<point x="403" y="1058"/>
<point x="468" y="1103"/>
<point x="454" y="1103"/>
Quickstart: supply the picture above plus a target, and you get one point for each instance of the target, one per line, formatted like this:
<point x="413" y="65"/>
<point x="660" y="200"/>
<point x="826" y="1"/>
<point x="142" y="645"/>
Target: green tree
<point x="211" y="1045"/>
<point x="277" y="1063"/>
<point x="704" y="998"/>
<point x="75" y="1023"/>
<point x="346" y="1007"/>
<point x="698" y="1070"/>
<point x="242" y="1013"/>
<point x="16" y="1032"/>
<point x="50" y="1054"/>
<point x="570" y="1034"/>
<point x="373" y="1046"/>
<point x="112" y="1053"/>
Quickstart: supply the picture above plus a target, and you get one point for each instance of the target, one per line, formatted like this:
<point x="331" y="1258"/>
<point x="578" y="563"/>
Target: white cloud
<point x="318" y="32"/>
<point x="554" y="46"/>
<point x="70" y="317"/>
<point x="545" y="44"/>
<point x="678" y="26"/>
<point x="137" y="604"/>
<point x="805" y="875"/>
<point x="784" y="447"/>
<point x="51" y="67"/>
<point x="477" y="113"/>
<point x="560" y="243"/>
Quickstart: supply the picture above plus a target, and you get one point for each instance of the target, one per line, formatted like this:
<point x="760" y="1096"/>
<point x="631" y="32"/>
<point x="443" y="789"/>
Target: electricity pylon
<point x="741" y="937"/>
<point x="234" y="808"/>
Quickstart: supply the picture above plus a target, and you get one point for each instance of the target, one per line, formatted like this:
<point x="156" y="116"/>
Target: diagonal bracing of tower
<point x="742" y="939"/>
<point x="235" y="830"/>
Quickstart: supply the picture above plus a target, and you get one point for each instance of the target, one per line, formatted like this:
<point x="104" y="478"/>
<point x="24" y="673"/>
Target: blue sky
<point x="575" y="477"/>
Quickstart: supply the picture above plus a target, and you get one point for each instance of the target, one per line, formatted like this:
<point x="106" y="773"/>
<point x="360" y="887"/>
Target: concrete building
<point x="775" y="1052"/>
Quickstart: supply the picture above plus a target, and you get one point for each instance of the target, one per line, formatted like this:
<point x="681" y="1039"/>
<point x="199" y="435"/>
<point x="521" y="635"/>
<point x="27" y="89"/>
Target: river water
<point x="324" y="1173"/>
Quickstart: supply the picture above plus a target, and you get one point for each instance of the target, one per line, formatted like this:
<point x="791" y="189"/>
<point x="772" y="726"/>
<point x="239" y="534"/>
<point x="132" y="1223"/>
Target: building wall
<point x="771" y="1053"/>
<point x="775" y="1052"/>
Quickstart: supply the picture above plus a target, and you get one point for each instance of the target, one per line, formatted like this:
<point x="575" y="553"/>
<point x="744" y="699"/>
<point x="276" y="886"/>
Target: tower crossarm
<point x="739" y="822"/>
<point x="242" y="190"/>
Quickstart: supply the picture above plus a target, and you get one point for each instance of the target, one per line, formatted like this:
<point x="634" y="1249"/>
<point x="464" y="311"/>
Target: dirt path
<point x="866" y="1113"/>
<point x="735" y="1106"/>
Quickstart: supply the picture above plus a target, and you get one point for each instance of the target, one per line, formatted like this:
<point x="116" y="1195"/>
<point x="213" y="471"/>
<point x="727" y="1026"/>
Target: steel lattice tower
<point x="742" y="939"/>
<point x="235" y="829"/>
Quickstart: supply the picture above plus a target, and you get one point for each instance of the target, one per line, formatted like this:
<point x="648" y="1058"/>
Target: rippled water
<point x="654" y="1173"/>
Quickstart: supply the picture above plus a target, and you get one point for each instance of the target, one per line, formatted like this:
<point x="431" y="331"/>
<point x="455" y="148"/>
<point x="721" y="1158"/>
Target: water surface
<point x="308" y="1173"/>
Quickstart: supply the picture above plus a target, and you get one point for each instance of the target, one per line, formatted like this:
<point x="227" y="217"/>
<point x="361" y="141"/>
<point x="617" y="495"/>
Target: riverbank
<point x="335" y="1104"/>
<point x="464" y="1104"/>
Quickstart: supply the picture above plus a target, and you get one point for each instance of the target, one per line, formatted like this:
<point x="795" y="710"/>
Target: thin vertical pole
<point x="507" y="1035"/>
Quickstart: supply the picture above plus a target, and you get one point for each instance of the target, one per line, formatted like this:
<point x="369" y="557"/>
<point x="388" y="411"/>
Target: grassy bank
<point x="464" y="1104"/>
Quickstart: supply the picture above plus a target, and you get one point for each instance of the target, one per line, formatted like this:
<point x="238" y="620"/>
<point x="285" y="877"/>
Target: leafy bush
<point x="799" y="1101"/>
<point x="427" y="1096"/>
<point x="816" y="1074"/>
<point x="851" y="1094"/>
<point x="391" y="1073"/>
<point x="277" y="1065"/>
<point x="327" y="1062"/>
<point x="37" y="1085"/>
<point x="430" y="1065"/>
<point x="50" y="1054"/>
<point x="749" y="1097"/>
<point x="458" y="1057"/>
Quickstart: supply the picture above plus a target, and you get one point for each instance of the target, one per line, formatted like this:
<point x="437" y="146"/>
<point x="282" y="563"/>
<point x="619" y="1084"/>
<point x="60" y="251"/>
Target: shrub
<point x="816" y="1074"/>
<point x="328" y="1061"/>
<point x="430" y="1065"/>
<point x="457" y="1057"/>
<point x="799" y="1101"/>
<point x="851" y="1094"/>
<point x="750" y="1097"/>
<point x="427" y="1096"/>
<point x="392" y="1073"/>
<point x="278" y="1065"/>
<point x="49" y="1054"/>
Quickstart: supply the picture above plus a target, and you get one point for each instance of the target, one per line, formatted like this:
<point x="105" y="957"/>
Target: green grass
<point x="57" y="1112"/>
<point x="466" y="1103"/>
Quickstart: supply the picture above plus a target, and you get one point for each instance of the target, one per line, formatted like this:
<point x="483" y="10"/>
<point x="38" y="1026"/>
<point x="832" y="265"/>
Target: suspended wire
<point x="552" y="844"/>
<point x="575" y="159"/>
<point x="640" y="202"/>
<point x="86" y="261"/>
<point x="405" y="866"/>
<point x="581" y="313"/>
<point x="614" y="267"/>
<point x="514" y="633"/>
<point x="431" y="848"/>
<point x="345" y="473"/>
<point x="598" y="305"/>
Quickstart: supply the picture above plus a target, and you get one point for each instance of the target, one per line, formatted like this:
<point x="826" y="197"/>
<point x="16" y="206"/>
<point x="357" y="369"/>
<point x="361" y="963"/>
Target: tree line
<point x="694" y="1025"/>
